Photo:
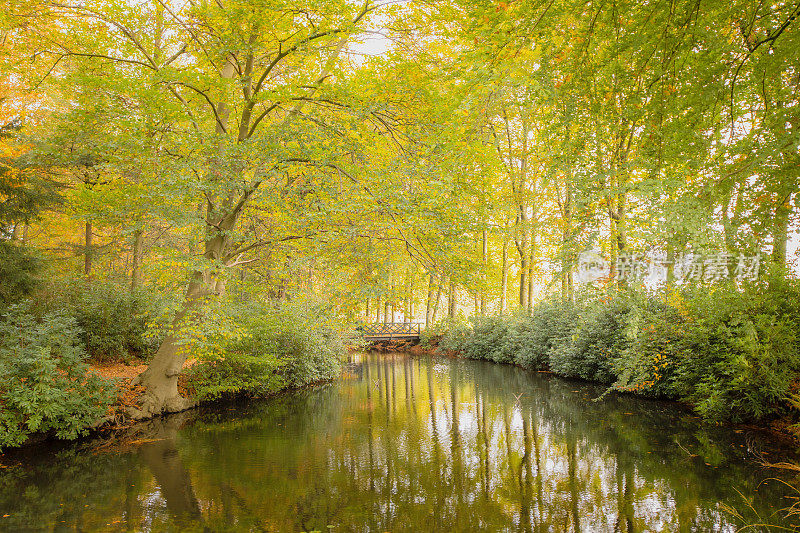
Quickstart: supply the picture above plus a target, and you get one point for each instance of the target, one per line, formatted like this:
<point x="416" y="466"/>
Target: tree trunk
<point x="429" y="301"/>
<point x="566" y="246"/>
<point x="504" y="279"/>
<point x="438" y="299"/>
<point x="160" y="380"/>
<point x="523" y="279"/>
<point x="451" y="300"/>
<point x="485" y="262"/>
<point x="531" y="255"/>
<point x="780" y="232"/>
<point x="88" y="252"/>
<point x="138" y="245"/>
<point x="670" y="264"/>
<point x="409" y="303"/>
<point x="522" y="249"/>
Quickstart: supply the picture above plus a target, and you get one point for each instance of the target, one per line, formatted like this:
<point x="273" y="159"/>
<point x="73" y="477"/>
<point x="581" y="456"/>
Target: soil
<point x="129" y="395"/>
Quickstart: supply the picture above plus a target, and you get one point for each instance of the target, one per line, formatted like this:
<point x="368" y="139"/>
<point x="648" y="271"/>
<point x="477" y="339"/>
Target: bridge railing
<point x="392" y="329"/>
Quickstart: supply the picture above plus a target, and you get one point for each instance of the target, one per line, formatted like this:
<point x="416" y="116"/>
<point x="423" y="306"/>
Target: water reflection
<point x="405" y="444"/>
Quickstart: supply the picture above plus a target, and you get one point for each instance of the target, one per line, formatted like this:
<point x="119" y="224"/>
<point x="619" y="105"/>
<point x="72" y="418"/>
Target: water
<point x="406" y="444"/>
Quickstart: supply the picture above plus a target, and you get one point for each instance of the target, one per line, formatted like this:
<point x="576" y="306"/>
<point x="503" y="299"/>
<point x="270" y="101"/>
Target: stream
<point x="403" y="443"/>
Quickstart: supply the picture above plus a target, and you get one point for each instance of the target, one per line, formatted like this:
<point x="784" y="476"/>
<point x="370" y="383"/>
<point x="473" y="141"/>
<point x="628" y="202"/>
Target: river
<point x="404" y="443"/>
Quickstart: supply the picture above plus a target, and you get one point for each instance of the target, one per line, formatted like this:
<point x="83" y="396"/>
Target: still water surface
<point x="406" y="444"/>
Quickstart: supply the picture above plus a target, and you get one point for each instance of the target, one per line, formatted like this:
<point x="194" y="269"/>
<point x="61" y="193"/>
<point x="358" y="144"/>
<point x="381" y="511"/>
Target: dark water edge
<point x="408" y="444"/>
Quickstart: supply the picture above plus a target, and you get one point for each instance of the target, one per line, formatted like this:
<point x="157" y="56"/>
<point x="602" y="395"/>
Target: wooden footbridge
<point x="391" y="331"/>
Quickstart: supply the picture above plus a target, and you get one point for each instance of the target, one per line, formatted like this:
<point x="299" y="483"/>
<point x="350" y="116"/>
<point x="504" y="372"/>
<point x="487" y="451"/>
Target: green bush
<point x="456" y="333"/>
<point x="533" y="338"/>
<point x="740" y="353"/>
<point x="44" y="382"/>
<point x="256" y="348"/>
<point x="19" y="270"/>
<point x="648" y="365"/>
<point x="114" y="320"/>
<point x="597" y="341"/>
<point x="486" y="340"/>
<point x="733" y="352"/>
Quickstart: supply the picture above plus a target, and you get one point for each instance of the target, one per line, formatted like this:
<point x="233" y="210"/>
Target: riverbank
<point x="117" y="421"/>
<point x="783" y="428"/>
<point x="56" y="384"/>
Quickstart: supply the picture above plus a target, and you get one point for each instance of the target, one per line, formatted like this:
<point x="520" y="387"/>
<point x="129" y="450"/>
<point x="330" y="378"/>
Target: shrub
<point x="44" y="382"/>
<point x="486" y="340"/>
<point x="533" y="337"/>
<point x="597" y="340"/>
<point x="733" y="352"/>
<point x="456" y="333"/>
<point x="648" y="364"/>
<point x="19" y="270"/>
<point x="256" y="348"/>
<point x="114" y="320"/>
<point x="740" y="353"/>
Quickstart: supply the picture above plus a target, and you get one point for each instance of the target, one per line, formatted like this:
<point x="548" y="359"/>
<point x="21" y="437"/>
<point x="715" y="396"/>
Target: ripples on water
<point x="406" y="444"/>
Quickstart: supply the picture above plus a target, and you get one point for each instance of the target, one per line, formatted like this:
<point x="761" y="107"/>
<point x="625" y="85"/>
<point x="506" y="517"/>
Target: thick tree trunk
<point x="160" y="380"/>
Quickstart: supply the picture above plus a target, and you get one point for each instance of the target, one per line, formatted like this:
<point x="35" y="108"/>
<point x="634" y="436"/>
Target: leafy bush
<point x="597" y="341"/>
<point x="19" y="270"/>
<point x="648" y="364"/>
<point x="114" y="320"/>
<point x="740" y="353"/>
<point x="533" y="338"/>
<point x="44" y="382"/>
<point x="733" y="352"/>
<point x="486" y="340"/>
<point x="457" y="333"/>
<point x="255" y="348"/>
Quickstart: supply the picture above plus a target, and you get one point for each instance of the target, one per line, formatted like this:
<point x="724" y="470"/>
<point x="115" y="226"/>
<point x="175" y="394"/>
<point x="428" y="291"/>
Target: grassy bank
<point x="732" y="353"/>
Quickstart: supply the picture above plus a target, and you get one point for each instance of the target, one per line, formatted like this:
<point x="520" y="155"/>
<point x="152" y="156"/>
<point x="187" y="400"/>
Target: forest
<point x="218" y="193"/>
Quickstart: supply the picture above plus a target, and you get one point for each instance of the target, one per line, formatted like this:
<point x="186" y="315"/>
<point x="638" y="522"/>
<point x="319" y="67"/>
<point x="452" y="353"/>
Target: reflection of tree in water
<point x="412" y="445"/>
<point x="174" y="482"/>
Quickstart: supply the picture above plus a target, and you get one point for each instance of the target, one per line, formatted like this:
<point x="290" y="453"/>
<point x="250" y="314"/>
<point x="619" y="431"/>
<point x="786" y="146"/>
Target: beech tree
<point x="232" y="90"/>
